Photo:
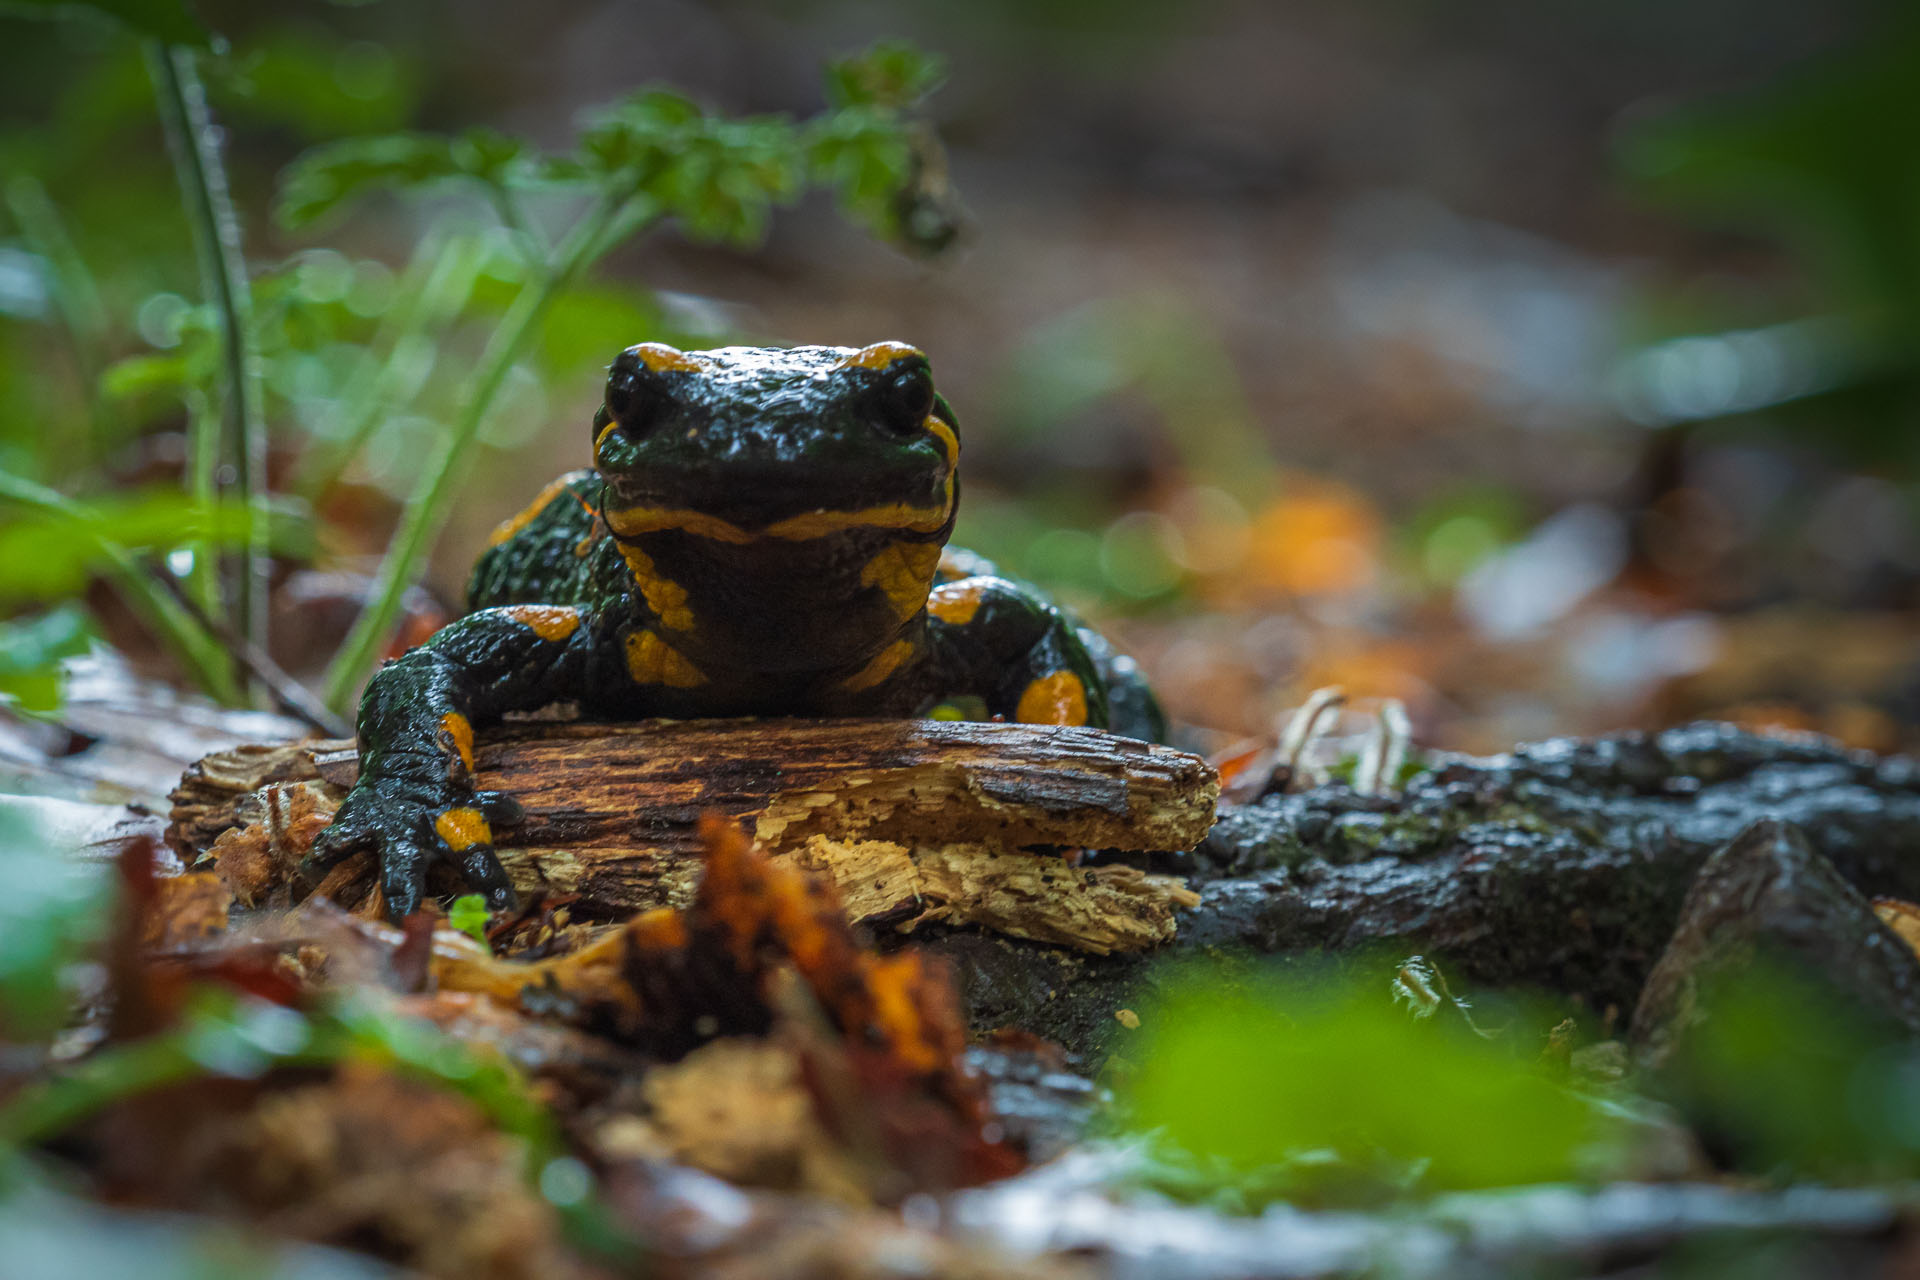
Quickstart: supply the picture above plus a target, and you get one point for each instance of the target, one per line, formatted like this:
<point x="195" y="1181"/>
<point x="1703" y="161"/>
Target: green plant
<point x="1255" y="1087"/>
<point x="248" y="354"/>
<point x="654" y="157"/>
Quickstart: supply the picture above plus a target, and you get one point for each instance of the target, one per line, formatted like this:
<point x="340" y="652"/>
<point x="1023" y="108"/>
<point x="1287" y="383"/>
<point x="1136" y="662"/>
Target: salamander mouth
<point x="733" y="511"/>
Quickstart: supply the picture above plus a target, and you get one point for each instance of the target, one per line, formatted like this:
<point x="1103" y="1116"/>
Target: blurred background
<point x="1551" y="368"/>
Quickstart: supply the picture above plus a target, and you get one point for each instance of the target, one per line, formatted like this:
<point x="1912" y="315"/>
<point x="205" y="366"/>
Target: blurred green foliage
<point x="1825" y="161"/>
<point x="1371" y="1083"/>
<point x="1786" y="1077"/>
<point x="55" y="907"/>
<point x="1320" y="1087"/>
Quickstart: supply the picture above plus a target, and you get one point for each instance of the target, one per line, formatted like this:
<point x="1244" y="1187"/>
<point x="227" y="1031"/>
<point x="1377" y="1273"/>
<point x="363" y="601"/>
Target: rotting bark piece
<point x="205" y="799"/>
<point x="1095" y="909"/>
<point x="910" y="781"/>
<point x="912" y="819"/>
<point x="1769" y="897"/>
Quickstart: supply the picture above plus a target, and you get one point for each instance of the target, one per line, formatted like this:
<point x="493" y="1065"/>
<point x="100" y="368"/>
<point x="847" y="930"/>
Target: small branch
<point x="287" y="693"/>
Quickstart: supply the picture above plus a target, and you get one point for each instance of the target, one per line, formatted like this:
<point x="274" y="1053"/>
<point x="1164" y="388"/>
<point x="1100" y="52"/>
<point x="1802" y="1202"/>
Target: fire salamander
<point x="762" y="534"/>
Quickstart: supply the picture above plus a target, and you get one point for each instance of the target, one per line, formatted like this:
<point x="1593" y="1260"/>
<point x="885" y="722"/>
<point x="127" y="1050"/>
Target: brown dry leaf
<point x="740" y="1109"/>
<point x="184" y="910"/>
<point x="370" y="1160"/>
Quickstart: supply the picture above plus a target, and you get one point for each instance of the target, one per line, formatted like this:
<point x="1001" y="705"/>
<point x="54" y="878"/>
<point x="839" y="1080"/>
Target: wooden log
<point x="914" y="819"/>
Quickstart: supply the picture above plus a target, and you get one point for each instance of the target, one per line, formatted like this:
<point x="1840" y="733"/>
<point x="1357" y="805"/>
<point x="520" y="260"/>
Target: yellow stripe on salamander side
<point x="938" y="428"/>
<point x="667" y="598"/>
<point x="514" y="524"/>
<point x="904" y="574"/>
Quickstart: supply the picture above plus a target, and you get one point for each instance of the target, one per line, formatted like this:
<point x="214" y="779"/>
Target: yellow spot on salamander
<point x="667" y="599"/>
<point x="884" y="664"/>
<point x="904" y="574"/>
<point x="879" y="355"/>
<point x="661" y="358"/>
<point x="459" y="732"/>
<point x="514" y="524"/>
<point x="462" y="829"/>
<point x="651" y="660"/>
<point x="551" y="622"/>
<point x="957" y="602"/>
<point x="1059" y="698"/>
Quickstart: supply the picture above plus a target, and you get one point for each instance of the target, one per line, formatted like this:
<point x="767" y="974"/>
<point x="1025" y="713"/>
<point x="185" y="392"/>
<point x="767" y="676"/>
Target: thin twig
<point x="289" y="694"/>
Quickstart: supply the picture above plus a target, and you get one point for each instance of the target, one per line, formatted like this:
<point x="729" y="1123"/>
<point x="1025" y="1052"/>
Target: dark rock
<point x="1783" y="1022"/>
<point x="1769" y="897"/>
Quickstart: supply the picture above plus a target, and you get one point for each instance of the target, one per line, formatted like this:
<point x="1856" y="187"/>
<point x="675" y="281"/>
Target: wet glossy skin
<point x="762" y="534"/>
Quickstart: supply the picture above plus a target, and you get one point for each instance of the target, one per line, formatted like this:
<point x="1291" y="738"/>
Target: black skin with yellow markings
<point x="762" y="534"/>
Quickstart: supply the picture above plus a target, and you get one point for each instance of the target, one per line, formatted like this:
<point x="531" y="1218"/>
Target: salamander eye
<point x="636" y="397"/>
<point x="904" y="396"/>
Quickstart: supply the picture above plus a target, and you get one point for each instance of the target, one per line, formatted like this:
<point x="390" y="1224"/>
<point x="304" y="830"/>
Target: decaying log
<point x="1560" y="867"/>
<point x="914" y="820"/>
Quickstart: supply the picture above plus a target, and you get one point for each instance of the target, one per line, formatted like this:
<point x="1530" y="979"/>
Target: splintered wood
<point x="913" y="820"/>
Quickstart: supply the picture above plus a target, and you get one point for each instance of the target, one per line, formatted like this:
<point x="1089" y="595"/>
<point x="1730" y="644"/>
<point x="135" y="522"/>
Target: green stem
<point x="75" y="293"/>
<point x="195" y="145"/>
<point x="433" y="290"/>
<point x="191" y="644"/>
<point x="203" y="465"/>
<point x="427" y="508"/>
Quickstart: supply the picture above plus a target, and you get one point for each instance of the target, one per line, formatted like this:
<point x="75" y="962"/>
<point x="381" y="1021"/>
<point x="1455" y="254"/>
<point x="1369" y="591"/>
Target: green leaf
<point x="721" y="178"/>
<point x="327" y="178"/>
<point x="1267" y="1082"/>
<point x="168" y="21"/>
<point x="863" y="154"/>
<point x="54" y="906"/>
<point x="47" y="561"/>
<point x="892" y="74"/>
<point x="30" y="655"/>
<point x="468" y="914"/>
